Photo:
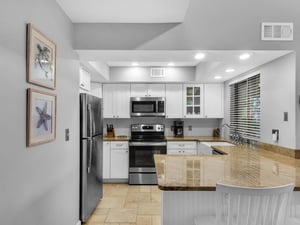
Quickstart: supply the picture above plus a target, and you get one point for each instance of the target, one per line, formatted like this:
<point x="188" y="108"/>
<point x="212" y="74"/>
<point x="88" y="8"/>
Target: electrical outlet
<point x="190" y="127"/>
<point x="275" y="135"/>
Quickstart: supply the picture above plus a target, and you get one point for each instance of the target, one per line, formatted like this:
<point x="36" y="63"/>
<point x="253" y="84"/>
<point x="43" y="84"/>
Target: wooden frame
<point x="41" y="117"/>
<point x="41" y="59"/>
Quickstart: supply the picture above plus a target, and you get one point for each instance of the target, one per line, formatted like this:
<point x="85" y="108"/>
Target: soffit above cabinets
<point x="125" y="11"/>
<point x="213" y="64"/>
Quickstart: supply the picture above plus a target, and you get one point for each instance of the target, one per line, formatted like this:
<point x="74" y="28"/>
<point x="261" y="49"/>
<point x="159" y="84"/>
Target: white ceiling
<point x="214" y="64"/>
<point x="125" y="11"/>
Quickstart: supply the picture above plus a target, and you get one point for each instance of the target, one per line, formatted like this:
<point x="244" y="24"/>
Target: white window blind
<point x="245" y="107"/>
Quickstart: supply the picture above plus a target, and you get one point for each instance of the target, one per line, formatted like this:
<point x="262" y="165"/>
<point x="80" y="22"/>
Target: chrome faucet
<point x="235" y="136"/>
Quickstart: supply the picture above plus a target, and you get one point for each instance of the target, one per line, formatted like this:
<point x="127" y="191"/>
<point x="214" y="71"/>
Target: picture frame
<point x="41" y="117"/>
<point x="40" y="59"/>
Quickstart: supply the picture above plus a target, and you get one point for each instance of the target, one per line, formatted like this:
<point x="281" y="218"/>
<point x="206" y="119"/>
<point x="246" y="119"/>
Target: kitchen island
<point x="188" y="182"/>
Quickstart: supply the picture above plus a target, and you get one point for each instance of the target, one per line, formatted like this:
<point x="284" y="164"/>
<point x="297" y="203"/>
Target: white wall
<point x="39" y="185"/>
<point x="142" y="74"/>
<point x="200" y="127"/>
<point x="278" y="90"/>
<point x="213" y="25"/>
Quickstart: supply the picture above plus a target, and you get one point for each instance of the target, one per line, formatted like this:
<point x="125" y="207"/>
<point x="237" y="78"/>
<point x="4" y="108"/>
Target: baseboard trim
<point x="78" y="222"/>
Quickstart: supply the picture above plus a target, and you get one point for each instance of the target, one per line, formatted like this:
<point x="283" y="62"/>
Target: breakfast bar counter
<point x="239" y="165"/>
<point x="188" y="182"/>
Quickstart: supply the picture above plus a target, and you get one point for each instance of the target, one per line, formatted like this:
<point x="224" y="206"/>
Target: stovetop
<point x="147" y="133"/>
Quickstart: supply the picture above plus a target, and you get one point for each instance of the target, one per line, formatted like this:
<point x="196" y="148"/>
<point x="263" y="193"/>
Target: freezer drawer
<point x="90" y="175"/>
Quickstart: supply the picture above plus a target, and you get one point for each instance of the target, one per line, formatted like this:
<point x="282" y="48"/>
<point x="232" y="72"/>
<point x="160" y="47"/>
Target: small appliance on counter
<point x="178" y="128"/>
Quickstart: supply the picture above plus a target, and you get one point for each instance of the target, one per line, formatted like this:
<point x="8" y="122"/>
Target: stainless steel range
<point x="146" y="140"/>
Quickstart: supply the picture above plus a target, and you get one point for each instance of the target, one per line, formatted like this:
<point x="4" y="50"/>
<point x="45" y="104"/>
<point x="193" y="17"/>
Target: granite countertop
<point x="240" y="165"/>
<point x="196" y="138"/>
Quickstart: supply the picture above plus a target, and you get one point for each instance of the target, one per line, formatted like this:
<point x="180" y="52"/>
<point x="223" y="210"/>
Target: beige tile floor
<point x="124" y="204"/>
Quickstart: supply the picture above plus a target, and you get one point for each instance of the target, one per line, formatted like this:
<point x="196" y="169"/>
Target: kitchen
<point x="40" y="186"/>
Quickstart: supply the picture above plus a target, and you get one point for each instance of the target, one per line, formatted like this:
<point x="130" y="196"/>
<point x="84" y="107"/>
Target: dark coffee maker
<point x="178" y="128"/>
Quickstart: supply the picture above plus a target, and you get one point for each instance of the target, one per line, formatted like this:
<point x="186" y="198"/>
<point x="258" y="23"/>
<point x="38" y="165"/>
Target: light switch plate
<point x="67" y="134"/>
<point x="285" y="116"/>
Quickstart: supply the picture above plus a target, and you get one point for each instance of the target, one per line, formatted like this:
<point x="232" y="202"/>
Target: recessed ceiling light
<point x="135" y="64"/>
<point x="217" y="77"/>
<point x="244" y="56"/>
<point x="229" y="70"/>
<point x="171" y="64"/>
<point x="200" y="56"/>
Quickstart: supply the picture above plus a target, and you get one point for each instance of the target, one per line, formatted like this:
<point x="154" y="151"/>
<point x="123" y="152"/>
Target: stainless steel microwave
<point x="147" y="106"/>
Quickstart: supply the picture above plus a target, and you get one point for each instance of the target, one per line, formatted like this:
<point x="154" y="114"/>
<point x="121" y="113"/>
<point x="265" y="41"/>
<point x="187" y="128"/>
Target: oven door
<point x="141" y="155"/>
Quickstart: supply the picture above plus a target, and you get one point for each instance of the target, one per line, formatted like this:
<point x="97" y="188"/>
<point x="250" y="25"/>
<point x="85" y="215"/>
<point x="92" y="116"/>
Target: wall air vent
<point x="157" y="72"/>
<point x="277" y="31"/>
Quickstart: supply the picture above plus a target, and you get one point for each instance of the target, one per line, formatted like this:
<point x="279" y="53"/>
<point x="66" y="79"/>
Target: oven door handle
<point x="147" y="143"/>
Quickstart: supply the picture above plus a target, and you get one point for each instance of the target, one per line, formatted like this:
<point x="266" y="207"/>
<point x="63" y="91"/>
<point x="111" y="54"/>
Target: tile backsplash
<point x="192" y="127"/>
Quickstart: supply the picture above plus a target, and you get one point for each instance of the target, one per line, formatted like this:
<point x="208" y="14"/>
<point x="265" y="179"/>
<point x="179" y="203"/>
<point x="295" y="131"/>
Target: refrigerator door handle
<point x="90" y="143"/>
<point x="89" y="108"/>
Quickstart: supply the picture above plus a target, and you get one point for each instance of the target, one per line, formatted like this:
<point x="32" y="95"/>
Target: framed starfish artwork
<point x="41" y="117"/>
<point x="41" y="59"/>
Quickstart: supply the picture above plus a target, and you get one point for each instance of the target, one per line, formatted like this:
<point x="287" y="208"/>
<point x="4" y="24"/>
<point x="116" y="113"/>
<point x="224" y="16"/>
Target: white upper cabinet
<point x="193" y="101"/>
<point x="139" y="90"/>
<point x="116" y="100"/>
<point x="85" y="80"/>
<point x="174" y="108"/>
<point x="156" y="90"/>
<point x="214" y="100"/>
<point x="147" y="90"/>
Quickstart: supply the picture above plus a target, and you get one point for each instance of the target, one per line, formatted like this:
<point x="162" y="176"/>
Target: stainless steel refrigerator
<point x="91" y="139"/>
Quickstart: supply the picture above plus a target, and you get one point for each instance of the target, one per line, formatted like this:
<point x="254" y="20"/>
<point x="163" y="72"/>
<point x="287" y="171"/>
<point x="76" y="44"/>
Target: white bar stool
<point x="250" y="206"/>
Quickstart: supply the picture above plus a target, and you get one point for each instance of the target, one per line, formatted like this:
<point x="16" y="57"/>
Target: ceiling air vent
<point x="277" y="31"/>
<point x="157" y="72"/>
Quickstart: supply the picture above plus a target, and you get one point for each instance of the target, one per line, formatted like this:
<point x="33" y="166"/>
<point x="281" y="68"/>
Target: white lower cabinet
<point x="115" y="160"/>
<point x="119" y="156"/>
<point x="106" y="159"/>
<point x="182" y="147"/>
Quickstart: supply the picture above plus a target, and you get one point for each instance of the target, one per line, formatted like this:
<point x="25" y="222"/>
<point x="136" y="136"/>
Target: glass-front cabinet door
<point x="193" y="101"/>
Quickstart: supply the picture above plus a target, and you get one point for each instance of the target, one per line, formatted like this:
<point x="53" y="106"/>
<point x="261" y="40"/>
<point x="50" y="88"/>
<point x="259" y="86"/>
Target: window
<point x="245" y="107"/>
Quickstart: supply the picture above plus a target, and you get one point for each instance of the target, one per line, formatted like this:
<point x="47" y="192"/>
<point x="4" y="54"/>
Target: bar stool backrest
<point x="252" y="206"/>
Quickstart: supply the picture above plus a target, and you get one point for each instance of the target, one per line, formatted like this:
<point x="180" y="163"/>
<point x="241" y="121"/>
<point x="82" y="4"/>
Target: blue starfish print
<point x="43" y="116"/>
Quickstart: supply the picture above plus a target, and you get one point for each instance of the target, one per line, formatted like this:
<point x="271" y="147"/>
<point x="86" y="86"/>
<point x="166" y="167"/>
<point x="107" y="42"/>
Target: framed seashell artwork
<point x="41" y="117"/>
<point x="40" y="59"/>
